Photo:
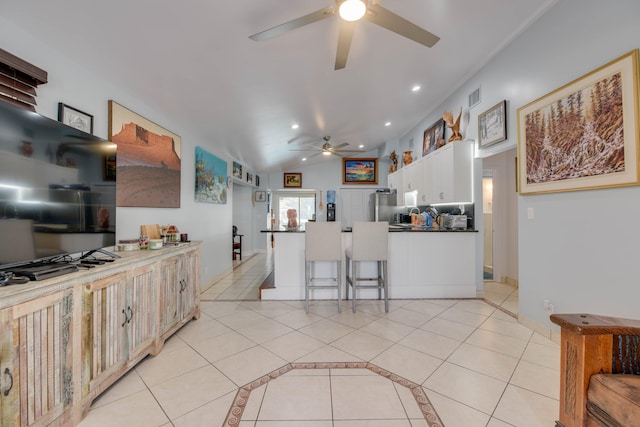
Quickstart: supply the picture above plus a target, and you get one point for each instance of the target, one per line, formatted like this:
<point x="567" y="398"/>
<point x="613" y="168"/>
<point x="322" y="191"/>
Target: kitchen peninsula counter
<point x="423" y="263"/>
<point x="392" y="229"/>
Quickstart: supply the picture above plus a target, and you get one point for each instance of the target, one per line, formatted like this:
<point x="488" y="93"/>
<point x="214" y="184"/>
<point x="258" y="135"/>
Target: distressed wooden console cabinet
<point x="64" y="340"/>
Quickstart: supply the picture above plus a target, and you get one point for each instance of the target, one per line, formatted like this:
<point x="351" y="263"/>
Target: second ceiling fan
<point x="327" y="149"/>
<point x="350" y="12"/>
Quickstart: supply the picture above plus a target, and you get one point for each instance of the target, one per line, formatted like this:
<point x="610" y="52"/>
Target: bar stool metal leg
<point x="323" y="243"/>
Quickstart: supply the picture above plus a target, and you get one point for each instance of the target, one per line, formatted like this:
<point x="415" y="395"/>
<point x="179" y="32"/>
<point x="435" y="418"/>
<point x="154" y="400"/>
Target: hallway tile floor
<point x="476" y="365"/>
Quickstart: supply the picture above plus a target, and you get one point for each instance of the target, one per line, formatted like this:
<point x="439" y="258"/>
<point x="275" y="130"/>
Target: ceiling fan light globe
<point x="326" y="153"/>
<point x="352" y="10"/>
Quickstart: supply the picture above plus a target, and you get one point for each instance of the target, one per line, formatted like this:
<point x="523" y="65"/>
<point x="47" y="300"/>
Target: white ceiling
<point x="194" y="61"/>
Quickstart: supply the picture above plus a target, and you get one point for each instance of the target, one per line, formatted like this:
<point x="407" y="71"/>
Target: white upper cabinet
<point x="396" y="182"/>
<point x="444" y="176"/>
<point x="452" y="167"/>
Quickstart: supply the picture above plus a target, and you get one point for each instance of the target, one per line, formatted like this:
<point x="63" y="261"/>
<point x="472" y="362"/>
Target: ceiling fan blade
<point x="349" y="151"/>
<point x="344" y="144"/>
<point x="344" y="43"/>
<point x="313" y="155"/>
<point x="392" y="22"/>
<point x="316" y="16"/>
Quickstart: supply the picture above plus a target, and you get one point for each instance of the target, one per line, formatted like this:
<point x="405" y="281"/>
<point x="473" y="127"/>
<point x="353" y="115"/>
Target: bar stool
<point x="369" y="243"/>
<point x="322" y="242"/>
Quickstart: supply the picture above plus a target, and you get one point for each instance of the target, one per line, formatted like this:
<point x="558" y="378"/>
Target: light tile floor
<point x="476" y="364"/>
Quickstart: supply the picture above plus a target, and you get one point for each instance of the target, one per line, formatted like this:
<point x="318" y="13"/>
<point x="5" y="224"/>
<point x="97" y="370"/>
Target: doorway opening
<point x="487" y="209"/>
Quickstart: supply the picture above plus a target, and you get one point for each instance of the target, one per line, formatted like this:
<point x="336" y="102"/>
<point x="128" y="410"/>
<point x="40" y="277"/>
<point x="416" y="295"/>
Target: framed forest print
<point x="583" y="135"/>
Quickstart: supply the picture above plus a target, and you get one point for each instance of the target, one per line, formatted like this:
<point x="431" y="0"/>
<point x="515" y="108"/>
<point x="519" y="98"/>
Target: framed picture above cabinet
<point x="492" y="125"/>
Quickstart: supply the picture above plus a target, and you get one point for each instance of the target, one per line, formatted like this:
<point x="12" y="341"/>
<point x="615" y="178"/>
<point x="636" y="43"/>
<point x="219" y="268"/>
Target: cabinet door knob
<point x="125" y="318"/>
<point x="130" y="314"/>
<point x="7" y="372"/>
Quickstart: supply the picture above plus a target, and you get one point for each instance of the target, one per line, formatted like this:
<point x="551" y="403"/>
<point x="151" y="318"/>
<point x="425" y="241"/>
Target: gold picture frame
<point x="292" y="180"/>
<point x="584" y="135"/>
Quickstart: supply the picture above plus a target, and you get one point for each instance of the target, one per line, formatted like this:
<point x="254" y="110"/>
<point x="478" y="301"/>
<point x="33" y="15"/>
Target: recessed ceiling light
<point x="304" y="159"/>
<point x="388" y="124"/>
<point x="415" y="88"/>
<point x="361" y="146"/>
<point x="295" y="126"/>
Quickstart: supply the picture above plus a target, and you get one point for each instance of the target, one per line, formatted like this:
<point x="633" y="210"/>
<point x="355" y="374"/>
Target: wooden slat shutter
<point x="18" y="80"/>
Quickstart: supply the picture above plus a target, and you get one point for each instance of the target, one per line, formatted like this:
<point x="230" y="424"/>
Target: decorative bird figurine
<point x="455" y="127"/>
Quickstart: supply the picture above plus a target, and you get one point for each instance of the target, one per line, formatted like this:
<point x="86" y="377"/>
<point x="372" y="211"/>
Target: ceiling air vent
<point x="18" y="80"/>
<point x="474" y="98"/>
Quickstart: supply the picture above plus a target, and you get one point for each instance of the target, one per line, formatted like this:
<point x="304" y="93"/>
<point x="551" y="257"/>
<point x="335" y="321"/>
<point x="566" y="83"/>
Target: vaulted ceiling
<point x="194" y="61"/>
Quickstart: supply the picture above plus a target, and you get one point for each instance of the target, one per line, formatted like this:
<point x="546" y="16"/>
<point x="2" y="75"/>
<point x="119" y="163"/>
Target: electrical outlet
<point x="548" y="307"/>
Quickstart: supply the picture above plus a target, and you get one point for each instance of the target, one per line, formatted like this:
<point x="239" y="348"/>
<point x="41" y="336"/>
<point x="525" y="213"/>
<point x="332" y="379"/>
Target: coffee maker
<point x="331" y="211"/>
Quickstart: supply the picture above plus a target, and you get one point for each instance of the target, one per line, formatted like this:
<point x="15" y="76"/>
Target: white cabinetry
<point x="444" y="176"/>
<point x="396" y="182"/>
<point x="410" y="177"/>
<point x="452" y="167"/>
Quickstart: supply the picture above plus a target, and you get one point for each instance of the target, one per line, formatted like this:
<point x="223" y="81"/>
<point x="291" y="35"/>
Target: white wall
<point x="577" y="251"/>
<point x="70" y="82"/>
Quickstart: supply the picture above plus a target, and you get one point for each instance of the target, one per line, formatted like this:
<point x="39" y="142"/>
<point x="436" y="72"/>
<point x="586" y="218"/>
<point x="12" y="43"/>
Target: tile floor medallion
<point x="234" y="417"/>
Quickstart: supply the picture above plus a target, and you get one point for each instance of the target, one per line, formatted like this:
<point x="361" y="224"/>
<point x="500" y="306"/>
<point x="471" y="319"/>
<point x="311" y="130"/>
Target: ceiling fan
<point x="352" y="11"/>
<point x="327" y="149"/>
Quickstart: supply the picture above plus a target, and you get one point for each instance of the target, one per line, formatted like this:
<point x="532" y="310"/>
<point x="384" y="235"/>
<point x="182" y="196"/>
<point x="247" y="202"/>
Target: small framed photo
<point x="292" y="180"/>
<point x="433" y="137"/>
<point x="492" y="125"/>
<point x="237" y="170"/>
<point x="75" y="118"/>
<point x="260" y="196"/>
<point x="257" y="180"/>
<point x="249" y="178"/>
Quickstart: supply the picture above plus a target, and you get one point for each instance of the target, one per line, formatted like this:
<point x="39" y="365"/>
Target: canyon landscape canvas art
<point x="148" y="160"/>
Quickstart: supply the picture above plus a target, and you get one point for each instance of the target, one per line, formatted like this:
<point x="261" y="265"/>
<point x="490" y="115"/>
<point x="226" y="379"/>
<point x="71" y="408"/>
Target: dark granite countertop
<point x="406" y="228"/>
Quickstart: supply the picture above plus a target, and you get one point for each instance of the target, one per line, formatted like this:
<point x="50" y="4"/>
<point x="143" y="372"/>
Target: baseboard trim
<point x="509" y="280"/>
<point x="216" y="279"/>
<point x="543" y="330"/>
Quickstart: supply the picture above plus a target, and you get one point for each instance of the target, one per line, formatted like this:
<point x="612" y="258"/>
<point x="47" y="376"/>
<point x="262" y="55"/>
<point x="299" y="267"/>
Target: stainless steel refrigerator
<point x="382" y="207"/>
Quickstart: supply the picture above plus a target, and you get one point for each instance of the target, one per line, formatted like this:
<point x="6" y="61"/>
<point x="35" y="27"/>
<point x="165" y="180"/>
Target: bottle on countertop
<point x="144" y="241"/>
